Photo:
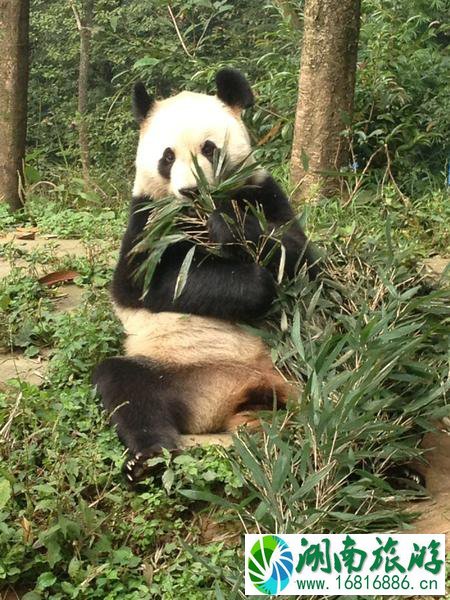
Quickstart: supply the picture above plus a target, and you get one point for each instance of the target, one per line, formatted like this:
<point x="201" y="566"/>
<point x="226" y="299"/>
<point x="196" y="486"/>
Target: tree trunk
<point x="326" y="92"/>
<point x="14" y="17"/>
<point x="84" y="24"/>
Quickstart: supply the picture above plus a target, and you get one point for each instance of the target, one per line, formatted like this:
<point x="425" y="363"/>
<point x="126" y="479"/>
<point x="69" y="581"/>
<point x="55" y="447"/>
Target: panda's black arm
<point x="125" y="291"/>
<point x="278" y="212"/>
<point x="215" y="287"/>
<point x="270" y="195"/>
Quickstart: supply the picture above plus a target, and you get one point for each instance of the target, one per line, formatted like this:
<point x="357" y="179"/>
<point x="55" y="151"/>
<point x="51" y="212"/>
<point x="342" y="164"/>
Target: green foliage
<point x="370" y="371"/>
<point x="7" y="219"/>
<point x="82" y="339"/>
<point x="65" y="222"/>
<point x="68" y="528"/>
<point x="401" y="94"/>
<point x="130" y="41"/>
<point x="403" y="76"/>
<point x="419" y="226"/>
<point x="25" y="311"/>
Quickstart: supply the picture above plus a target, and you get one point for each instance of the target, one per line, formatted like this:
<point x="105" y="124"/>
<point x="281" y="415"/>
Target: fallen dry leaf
<point x="26" y="528"/>
<point x="58" y="277"/>
<point x="26" y="233"/>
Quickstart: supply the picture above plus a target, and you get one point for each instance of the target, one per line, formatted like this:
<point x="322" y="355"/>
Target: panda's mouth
<point x="189" y="192"/>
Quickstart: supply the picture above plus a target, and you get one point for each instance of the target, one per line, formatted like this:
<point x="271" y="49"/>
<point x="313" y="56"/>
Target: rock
<point x="436" y="265"/>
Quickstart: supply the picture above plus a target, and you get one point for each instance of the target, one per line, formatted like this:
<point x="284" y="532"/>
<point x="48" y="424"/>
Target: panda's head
<point x="189" y="124"/>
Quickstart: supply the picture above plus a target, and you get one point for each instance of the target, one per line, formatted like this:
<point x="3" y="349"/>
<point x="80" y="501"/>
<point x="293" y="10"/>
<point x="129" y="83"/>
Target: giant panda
<point x="189" y="366"/>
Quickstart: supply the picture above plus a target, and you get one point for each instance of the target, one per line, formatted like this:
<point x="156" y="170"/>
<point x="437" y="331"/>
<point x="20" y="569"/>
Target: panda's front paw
<point x="220" y="231"/>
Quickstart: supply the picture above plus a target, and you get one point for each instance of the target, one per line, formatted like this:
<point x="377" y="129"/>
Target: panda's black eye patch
<point x="208" y="150"/>
<point x="166" y="162"/>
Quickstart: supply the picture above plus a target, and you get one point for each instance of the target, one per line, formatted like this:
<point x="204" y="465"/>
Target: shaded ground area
<point x="59" y="247"/>
<point x="15" y="364"/>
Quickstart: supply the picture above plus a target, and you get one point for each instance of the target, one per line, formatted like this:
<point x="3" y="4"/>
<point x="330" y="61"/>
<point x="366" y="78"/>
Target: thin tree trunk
<point x="84" y="24"/>
<point x="14" y="19"/>
<point x="289" y="13"/>
<point x="326" y="93"/>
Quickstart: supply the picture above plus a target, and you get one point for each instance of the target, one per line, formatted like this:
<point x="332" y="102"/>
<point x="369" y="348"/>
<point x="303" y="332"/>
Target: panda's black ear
<point x="233" y="88"/>
<point x="142" y="102"/>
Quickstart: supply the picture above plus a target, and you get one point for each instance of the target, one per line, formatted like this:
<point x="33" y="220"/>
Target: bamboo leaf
<point x="311" y="482"/>
<point x="183" y="273"/>
<point x="282" y="264"/>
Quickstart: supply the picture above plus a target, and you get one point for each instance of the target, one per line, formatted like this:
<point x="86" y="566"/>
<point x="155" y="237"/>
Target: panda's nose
<point x="189" y="192"/>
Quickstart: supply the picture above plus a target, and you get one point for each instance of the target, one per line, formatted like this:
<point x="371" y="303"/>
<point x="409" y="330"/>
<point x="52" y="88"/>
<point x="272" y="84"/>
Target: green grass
<point x="369" y="345"/>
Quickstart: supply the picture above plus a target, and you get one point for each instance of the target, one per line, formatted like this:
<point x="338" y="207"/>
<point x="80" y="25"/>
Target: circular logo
<point x="270" y="564"/>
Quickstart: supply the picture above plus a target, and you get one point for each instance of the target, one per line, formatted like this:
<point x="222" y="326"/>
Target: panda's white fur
<point x="183" y="123"/>
<point x="181" y="339"/>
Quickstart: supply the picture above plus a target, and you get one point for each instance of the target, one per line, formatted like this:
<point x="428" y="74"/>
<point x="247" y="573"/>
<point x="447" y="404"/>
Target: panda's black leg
<point x="145" y="402"/>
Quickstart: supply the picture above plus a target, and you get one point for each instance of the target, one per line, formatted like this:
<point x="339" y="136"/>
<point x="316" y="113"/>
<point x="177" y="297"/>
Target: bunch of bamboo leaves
<point x="371" y="351"/>
<point x="173" y="220"/>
